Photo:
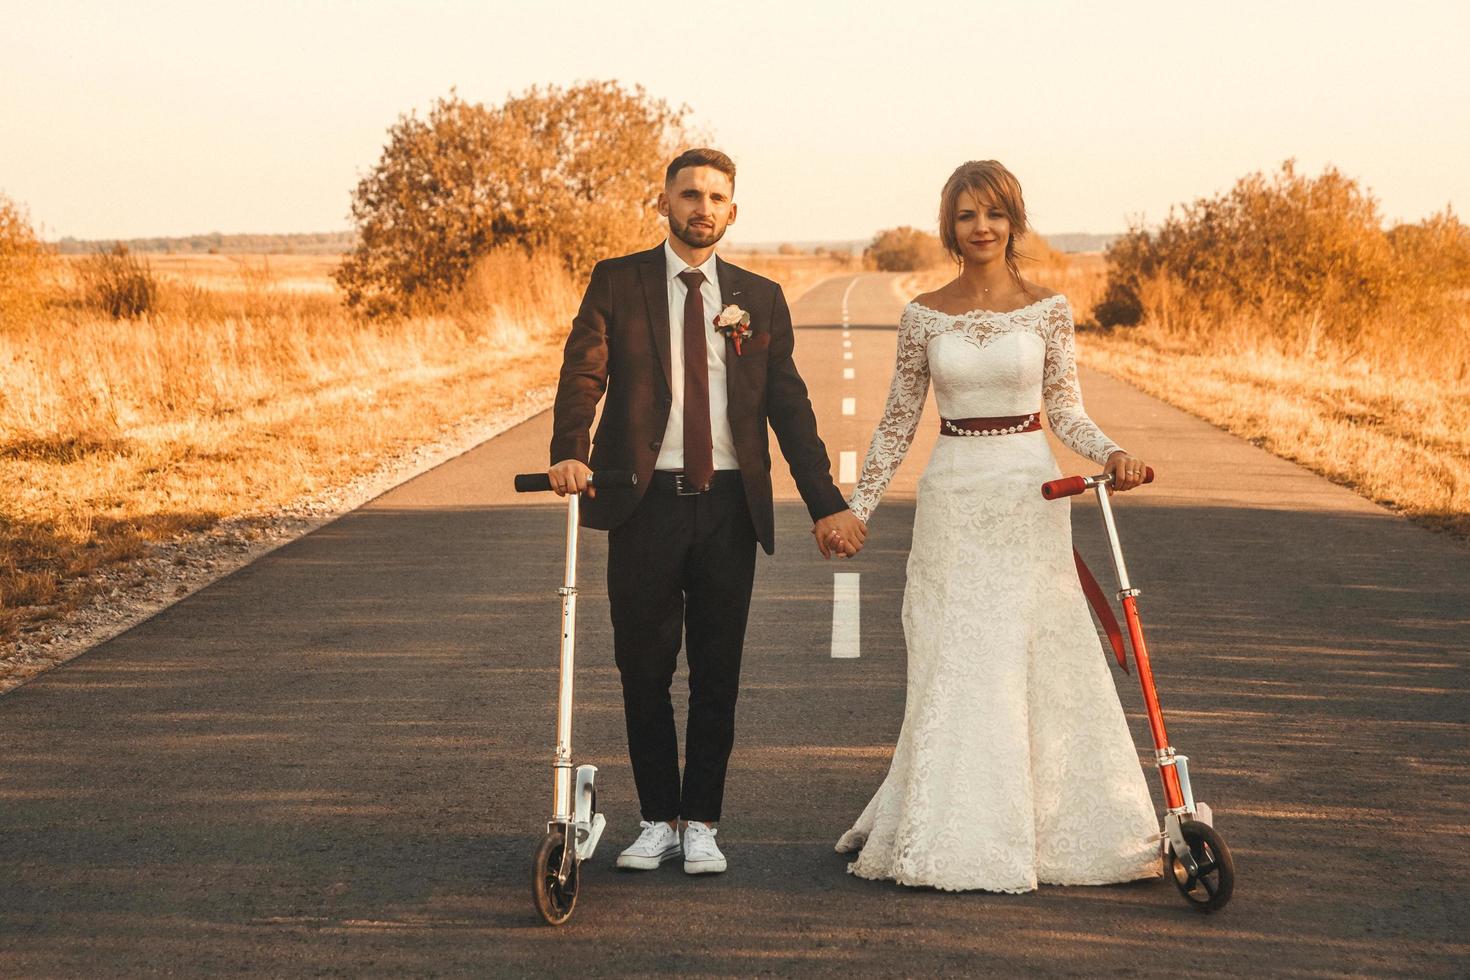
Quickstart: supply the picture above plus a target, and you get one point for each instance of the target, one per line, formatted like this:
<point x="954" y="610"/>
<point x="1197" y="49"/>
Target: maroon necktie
<point x="699" y="453"/>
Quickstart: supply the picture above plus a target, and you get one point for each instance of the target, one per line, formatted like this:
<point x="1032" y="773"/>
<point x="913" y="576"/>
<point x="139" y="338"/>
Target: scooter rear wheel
<point x="554" y="900"/>
<point x="1210" y="887"/>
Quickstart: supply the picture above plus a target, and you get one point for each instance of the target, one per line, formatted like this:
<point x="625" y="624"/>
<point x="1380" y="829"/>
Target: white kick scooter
<point x="574" y="816"/>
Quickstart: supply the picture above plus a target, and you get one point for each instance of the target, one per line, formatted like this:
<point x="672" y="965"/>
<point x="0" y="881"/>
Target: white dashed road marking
<point x="846" y="640"/>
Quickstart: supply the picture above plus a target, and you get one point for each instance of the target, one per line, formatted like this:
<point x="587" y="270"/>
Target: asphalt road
<point x="335" y="761"/>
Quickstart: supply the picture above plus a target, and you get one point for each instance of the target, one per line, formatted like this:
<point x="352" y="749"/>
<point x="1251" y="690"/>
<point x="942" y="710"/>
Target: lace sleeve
<point x="895" y="433"/>
<point x="1062" y="394"/>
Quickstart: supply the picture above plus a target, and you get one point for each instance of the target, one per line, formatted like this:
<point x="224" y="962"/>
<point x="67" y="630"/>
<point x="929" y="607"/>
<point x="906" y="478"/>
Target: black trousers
<point x="681" y="565"/>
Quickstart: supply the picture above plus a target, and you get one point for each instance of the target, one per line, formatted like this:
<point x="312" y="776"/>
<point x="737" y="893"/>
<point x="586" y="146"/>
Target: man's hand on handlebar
<point x="570" y="476"/>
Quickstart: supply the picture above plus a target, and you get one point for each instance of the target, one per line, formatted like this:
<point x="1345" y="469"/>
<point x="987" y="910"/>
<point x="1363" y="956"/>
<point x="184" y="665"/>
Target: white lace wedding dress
<point x="1015" y="763"/>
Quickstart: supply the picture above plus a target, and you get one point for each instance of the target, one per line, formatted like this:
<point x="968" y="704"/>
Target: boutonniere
<point x="734" y="323"/>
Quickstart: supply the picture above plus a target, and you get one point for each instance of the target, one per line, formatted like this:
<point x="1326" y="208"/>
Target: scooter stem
<point x="562" y="786"/>
<point x="1174" y="795"/>
<point x="1107" y="512"/>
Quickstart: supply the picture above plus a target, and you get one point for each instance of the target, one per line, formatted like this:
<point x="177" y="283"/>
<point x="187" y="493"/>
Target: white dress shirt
<point x="671" y="453"/>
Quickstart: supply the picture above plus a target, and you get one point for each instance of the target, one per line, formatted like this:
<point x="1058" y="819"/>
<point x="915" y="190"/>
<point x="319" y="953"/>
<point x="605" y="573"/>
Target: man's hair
<point x="701" y="156"/>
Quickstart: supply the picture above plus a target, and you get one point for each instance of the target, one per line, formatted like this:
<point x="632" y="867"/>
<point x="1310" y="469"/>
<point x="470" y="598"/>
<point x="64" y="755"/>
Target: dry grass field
<point x="1391" y="430"/>
<point x="243" y="393"/>
<point x="300" y="274"/>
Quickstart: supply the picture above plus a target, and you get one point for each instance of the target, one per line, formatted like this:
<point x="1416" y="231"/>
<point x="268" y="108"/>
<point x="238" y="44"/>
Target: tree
<point x="576" y="171"/>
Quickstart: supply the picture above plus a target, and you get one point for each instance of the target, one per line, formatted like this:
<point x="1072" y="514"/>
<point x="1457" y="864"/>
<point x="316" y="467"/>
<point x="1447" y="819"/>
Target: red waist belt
<point x="1000" y="425"/>
<point x="1008" y="425"/>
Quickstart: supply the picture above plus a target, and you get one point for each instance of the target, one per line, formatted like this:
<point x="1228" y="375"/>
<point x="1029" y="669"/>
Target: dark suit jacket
<point x="619" y="343"/>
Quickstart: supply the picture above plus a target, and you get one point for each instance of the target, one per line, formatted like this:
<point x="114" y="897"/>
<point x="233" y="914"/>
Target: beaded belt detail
<point x="1002" y="425"/>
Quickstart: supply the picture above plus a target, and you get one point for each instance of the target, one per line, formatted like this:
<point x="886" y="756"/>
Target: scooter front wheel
<point x="554" y="900"/>
<point x="1213" y="880"/>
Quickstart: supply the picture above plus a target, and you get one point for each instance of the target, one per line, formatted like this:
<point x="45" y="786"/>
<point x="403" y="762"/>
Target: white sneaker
<point x="701" y="855"/>
<point x="654" y="846"/>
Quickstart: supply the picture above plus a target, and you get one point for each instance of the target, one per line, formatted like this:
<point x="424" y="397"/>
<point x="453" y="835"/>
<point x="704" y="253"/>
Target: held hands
<point x="840" y="534"/>
<point x="1126" y="471"/>
<point x="570" y="476"/>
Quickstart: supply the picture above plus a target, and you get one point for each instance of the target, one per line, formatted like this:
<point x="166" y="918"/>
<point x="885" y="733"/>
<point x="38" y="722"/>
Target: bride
<point x="1014" y="764"/>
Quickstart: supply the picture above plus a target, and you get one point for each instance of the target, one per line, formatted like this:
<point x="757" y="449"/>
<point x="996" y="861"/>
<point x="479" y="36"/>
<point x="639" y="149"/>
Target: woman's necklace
<point x="983" y="297"/>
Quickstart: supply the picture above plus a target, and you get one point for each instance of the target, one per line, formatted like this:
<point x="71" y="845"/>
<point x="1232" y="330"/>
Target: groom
<point x="687" y="410"/>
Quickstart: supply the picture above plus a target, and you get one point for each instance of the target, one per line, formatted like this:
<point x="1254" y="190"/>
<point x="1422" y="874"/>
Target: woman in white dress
<point x="1015" y="764"/>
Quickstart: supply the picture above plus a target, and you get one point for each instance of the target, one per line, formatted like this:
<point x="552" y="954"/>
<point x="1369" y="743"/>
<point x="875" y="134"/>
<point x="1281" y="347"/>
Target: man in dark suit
<point x="687" y="410"/>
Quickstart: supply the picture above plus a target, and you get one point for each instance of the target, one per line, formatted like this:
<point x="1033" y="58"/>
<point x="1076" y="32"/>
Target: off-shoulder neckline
<point x="1019" y="309"/>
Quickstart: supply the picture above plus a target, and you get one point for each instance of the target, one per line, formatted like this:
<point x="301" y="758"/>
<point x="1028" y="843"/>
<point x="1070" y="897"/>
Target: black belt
<point x="673" y="481"/>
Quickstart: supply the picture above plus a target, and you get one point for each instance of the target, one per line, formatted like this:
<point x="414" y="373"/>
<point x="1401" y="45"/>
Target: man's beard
<point x="696" y="237"/>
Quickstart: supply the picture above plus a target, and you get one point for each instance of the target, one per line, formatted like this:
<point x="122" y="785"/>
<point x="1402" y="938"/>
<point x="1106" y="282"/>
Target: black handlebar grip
<point x="531" y="482"/>
<point x="603" y="479"/>
<point x="614" y="479"/>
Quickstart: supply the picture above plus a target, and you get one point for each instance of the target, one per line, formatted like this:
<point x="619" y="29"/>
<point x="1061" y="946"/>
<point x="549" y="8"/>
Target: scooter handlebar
<point x="1070" y="486"/>
<point x="1067" y="486"/>
<point x="603" y="480"/>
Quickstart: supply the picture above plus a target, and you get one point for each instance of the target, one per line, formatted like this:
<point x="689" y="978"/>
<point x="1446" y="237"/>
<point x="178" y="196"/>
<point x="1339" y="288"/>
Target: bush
<point x="575" y="172"/>
<point x="1434" y="255"/>
<point x="23" y="265"/>
<point x="904" y="249"/>
<point x="1286" y="247"/>
<point x="1282" y="242"/>
<point x="118" y="283"/>
<point x="1119" y="307"/>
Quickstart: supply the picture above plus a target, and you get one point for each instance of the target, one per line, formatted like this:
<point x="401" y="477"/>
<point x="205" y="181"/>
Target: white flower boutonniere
<point x="734" y="323"/>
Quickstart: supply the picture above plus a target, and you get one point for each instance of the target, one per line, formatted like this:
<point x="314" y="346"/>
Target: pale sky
<point x="132" y="119"/>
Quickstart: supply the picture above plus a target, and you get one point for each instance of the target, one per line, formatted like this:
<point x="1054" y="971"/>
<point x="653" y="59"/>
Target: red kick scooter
<point x="1194" y="852"/>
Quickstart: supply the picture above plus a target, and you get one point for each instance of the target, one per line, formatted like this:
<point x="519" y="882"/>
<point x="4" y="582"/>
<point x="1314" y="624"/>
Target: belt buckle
<point x="681" y="490"/>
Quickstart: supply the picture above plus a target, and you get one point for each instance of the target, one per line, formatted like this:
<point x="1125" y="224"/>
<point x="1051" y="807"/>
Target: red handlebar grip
<point x="1067" y="486"/>
<point x="1148" y="474"/>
